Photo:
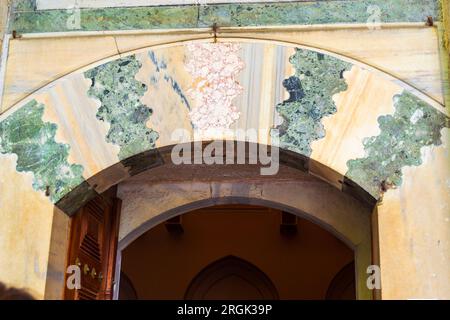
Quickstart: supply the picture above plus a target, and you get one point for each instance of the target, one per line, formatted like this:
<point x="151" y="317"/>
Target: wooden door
<point x="93" y="246"/>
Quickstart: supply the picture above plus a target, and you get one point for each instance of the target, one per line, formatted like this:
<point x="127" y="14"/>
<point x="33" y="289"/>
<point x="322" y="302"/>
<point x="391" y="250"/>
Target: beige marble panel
<point x="169" y="111"/>
<point x="368" y="96"/>
<point x="33" y="63"/>
<point x="69" y="107"/>
<point x="249" y="101"/>
<point x="408" y="53"/>
<point x="26" y="221"/>
<point x="256" y="109"/>
<point x="263" y="88"/>
<point x="414" y="228"/>
<point x="132" y="41"/>
<point x="268" y="91"/>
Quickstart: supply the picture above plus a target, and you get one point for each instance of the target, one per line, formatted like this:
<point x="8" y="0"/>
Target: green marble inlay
<point x="33" y="141"/>
<point x="114" y="84"/>
<point x="24" y="5"/>
<point x="318" y="12"/>
<point x="106" y="19"/>
<point x="414" y="125"/>
<point x="26" y="20"/>
<point x="317" y="78"/>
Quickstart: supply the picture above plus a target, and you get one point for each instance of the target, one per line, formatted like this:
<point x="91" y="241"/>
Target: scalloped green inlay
<point x="33" y="141"/>
<point x="317" y="78"/>
<point x="120" y="94"/>
<point x="414" y="125"/>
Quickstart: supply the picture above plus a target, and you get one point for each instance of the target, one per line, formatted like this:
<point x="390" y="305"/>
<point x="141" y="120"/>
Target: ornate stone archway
<point x="161" y="193"/>
<point x="362" y="133"/>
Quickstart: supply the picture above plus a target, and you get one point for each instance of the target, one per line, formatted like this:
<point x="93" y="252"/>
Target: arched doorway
<point x="73" y="199"/>
<point x="231" y="278"/>
<point x="237" y="252"/>
<point x="342" y="287"/>
<point x="154" y="195"/>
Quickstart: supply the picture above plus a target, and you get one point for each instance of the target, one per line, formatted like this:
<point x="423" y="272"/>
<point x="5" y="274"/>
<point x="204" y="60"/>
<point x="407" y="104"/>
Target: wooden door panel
<point x="93" y="246"/>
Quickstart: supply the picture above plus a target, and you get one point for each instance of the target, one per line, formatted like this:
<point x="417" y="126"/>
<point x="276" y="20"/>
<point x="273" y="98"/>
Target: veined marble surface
<point x="311" y="89"/>
<point x="114" y="84"/>
<point x="128" y="107"/>
<point x="214" y="68"/>
<point x="63" y="4"/>
<point x="63" y="145"/>
<point x="409" y="54"/>
<point x="33" y="141"/>
<point x="26" y="19"/>
<point x="413" y="125"/>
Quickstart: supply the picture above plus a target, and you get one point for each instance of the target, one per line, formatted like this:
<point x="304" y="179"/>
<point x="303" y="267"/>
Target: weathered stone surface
<point x="77" y="198"/>
<point x="142" y="162"/>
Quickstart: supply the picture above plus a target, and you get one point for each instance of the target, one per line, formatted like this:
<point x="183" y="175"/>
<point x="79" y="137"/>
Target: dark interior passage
<point x="237" y="252"/>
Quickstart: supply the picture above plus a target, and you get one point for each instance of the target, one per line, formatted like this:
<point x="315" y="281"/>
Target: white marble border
<point x="66" y="4"/>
